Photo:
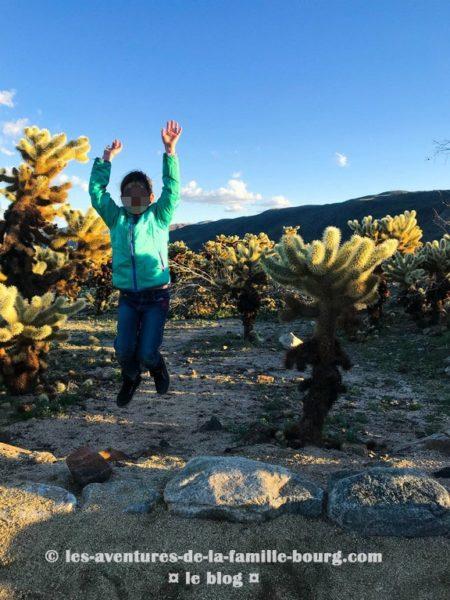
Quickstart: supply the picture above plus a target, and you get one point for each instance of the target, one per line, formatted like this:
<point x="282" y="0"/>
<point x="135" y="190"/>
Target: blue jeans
<point x="140" y="327"/>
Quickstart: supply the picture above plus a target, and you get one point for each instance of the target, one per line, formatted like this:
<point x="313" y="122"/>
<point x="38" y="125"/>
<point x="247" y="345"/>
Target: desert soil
<point x="397" y="394"/>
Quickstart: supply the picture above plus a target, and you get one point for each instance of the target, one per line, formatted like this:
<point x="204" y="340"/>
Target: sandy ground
<point x="215" y="374"/>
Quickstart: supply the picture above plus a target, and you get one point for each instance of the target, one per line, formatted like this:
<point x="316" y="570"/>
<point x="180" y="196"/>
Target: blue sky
<point x="282" y="103"/>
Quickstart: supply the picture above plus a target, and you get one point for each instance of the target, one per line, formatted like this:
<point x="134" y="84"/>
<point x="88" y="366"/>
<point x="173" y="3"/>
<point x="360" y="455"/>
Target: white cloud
<point x="74" y="179"/>
<point x="6" y="151"/>
<point x="341" y="159"/>
<point x="7" y="98"/>
<point x="14" y="128"/>
<point x="235" y="196"/>
<point x="277" y="202"/>
<point x="237" y="175"/>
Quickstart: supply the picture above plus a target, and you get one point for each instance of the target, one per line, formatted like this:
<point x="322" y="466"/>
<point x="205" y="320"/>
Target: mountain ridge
<point x="313" y="218"/>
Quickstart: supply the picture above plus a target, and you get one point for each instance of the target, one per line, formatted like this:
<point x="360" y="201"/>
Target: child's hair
<point x="137" y="176"/>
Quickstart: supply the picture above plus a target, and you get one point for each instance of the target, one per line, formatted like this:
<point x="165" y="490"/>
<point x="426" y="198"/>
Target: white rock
<point x="239" y="489"/>
<point x="25" y="506"/>
<point x="289" y="341"/>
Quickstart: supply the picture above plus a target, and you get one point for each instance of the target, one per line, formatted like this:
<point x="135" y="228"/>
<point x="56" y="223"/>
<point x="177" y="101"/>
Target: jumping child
<point x="139" y="231"/>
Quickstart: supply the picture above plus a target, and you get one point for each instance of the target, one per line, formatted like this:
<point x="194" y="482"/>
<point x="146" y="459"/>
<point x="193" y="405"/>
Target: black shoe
<point x="129" y="386"/>
<point x="161" y="377"/>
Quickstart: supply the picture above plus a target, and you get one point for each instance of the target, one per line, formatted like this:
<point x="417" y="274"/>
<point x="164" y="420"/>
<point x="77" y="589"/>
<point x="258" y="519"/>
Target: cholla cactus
<point x="27" y="329"/>
<point x="424" y="280"/>
<point x="87" y="245"/>
<point x="89" y="239"/>
<point x="244" y="280"/>
<point x="405" y="269"/>
<point x="291" y="230"/>
<point x="101" y="293"/>
<point x="436" y="256"/>
<point x="405" y="230"/>
<point x="436" y="262"/>
<point x="335" y="278"/>
<point x="35" y="202"/>
<point x="47" y="259"/>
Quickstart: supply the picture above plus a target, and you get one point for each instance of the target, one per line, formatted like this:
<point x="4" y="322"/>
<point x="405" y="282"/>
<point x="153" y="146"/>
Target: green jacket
<point x="139" y="244"/>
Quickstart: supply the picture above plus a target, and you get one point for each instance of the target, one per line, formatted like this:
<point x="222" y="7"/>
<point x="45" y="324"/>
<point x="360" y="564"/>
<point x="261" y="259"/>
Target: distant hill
<point x="179" y="225"/>
<point x="314" y="218"/>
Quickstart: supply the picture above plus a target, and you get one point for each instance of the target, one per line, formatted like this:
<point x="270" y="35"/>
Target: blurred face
<point x="136" y="198"/>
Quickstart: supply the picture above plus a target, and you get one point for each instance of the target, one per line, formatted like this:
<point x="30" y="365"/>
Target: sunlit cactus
<point x="47" y="259"/>
<point x="36" y="199"/>
<point x="334" y="277"/>
<point x="405" y="230"/>
<point x="244" y="279"/>
<point x="291" y="229"/>
<point x="87" y="244"/>
<point x="27" y="329"/>
<point x="87" y="236"/>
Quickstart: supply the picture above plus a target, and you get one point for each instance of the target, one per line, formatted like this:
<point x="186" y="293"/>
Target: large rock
<point x="87" y="466"/>
<point x="34" y="501"/>
<point x="239" y="489"/>
<point x="390" y="501"/>
<point x="122" y="495"/>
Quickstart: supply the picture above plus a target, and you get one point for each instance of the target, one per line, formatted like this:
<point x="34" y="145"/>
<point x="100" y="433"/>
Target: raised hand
<point x="111" y="151"/>
<point x="170" y="136"/>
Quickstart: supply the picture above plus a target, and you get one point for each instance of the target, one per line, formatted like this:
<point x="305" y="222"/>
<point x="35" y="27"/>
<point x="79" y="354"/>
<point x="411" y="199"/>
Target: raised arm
<point x="170" y="196"/>
<point x="100" y="198"/>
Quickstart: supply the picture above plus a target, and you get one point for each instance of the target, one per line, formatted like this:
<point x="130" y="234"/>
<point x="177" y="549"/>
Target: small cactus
<point x="27" y="329"/>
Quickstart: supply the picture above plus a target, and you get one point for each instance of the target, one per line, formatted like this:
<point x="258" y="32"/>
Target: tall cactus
<point x="405" y="230"/>
<point x="27" y="328"/>
<point x="35" y="203"/>
<point x="335" y="277"/>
